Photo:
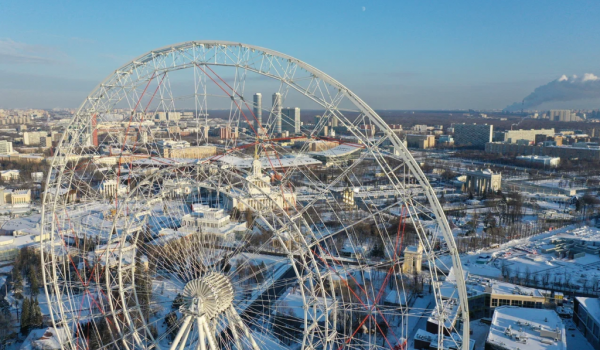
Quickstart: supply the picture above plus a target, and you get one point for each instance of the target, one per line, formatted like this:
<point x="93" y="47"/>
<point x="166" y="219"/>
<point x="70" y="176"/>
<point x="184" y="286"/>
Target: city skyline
<point x="395" y="56"/>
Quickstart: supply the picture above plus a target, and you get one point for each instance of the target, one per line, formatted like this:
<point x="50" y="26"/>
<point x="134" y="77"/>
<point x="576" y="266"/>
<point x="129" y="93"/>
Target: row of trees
<point x="26" y="264"/>
<point x="31" y="315"/>
<point x="5" y="318"/>
<point x="25" y="169"/>
<point x="549" y="279"/>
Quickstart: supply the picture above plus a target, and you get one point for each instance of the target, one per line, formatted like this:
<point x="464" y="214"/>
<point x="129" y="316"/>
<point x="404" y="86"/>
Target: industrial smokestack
<point x="560" y="90"/>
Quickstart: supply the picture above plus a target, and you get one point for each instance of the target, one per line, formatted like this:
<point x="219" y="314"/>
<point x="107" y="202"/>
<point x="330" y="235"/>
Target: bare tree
<point x="527" y="275"/>
<point x="546" y="278"/>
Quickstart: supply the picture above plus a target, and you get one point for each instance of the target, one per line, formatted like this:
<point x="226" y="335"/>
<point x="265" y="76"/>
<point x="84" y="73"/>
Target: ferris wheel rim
<point x="373" y="116"/>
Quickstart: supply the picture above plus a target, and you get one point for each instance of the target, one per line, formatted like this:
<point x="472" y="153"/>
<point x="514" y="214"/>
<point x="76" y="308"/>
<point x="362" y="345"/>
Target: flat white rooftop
<point x="519" y="328"/>
<point x="338" y="151"/>
<point x="280" y="161"/>
<point x="592" y="305"/>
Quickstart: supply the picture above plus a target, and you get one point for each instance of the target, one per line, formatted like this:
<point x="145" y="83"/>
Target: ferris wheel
<point x="184" y="211"/>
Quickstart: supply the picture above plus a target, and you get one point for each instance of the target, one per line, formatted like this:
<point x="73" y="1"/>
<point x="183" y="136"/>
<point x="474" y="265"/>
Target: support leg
<point x="183" y="328"/>
<point x="201" y="337"/>
<point x="232" y="325"/>
<point x="209" y="334"/>
<point x="186" y="335"/>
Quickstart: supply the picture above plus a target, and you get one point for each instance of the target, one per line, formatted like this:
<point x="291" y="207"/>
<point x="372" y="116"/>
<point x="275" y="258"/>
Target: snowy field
<point x="558" y="183"/>
<point x="524" y="257"/>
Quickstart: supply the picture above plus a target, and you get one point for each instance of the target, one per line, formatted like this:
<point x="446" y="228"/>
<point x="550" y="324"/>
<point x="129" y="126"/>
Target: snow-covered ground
<point x="524" y="256"/>
<point x="558" y="183"/>
<point x="469" y="263"/>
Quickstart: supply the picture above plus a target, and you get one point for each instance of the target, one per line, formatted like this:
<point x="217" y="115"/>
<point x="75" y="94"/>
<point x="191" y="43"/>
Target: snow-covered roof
<point x="592" y="305"/>
<point x="22" y="224"/>
<point x="292" y="304"/>
<point x="515" y="327"/>
<point x="485" y="172"/>
<point x="479" y="285"/>
<point x="47" y="339"/>
<point x="280" y="161"/>
<point x="450" y="342"/>
<point x="164" y="239"/>
<point x="510" y="289"/>
<point x="449" y="308"/>
<point x="159" y="161"/>
<point x="339" y="151"/>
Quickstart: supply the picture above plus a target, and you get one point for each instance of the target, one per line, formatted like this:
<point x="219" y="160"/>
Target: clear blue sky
<point x="395" y="54"/>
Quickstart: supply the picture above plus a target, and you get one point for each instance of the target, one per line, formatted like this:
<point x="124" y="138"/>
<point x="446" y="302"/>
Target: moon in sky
<point x="364" y="9"/>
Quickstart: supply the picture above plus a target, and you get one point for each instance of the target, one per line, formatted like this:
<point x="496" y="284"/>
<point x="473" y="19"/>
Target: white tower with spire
<point x="258" y="182"/>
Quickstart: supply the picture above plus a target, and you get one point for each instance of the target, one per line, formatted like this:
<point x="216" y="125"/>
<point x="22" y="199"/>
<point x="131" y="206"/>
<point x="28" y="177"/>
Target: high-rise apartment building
<point x="291" y="120"/>
<point x="334" y="121"/>
<point x="6" y="147"/>
<point x="472" y="134"/>
<point x="257" y="109"/>
<point x="277" y="111"/>
<point x="32" y="138"/>
<point x="45" y="142"/>
<point x="561" y="115"/>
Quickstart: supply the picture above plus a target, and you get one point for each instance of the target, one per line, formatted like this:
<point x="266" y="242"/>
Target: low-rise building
<point x="512" y="136"/>
<point x="196" y="152"/>
<point x="37" y="176"/>
<point x="483" y="181"/>
<point x="108" y="188"/>
<point x="211" y="222"/>
<point x="485" y="295"/>
<point x="10" y="175"/>
<point x="46" y="339"/>
<point x="420" y="141"/>
<point x="20" y="197"/>
<point x="545" y="161"/>
<point x="319" y="145"/>
<point x="563" y="152"/>
<point x="337" y="155"/>
<point x="519" y="328"/>
<point x="448" y="312"/>
<point x="259" y="194"/>
<point x="446" y="140"/>
<point x="586" y="315"/>
<point x="426" y="340"/>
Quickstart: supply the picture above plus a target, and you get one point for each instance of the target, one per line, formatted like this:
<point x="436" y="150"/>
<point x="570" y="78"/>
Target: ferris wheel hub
<point x="208" y="296"/>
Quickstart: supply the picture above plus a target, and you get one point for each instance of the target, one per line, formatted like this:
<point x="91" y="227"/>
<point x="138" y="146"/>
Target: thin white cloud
<point x="13" y="52"/>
